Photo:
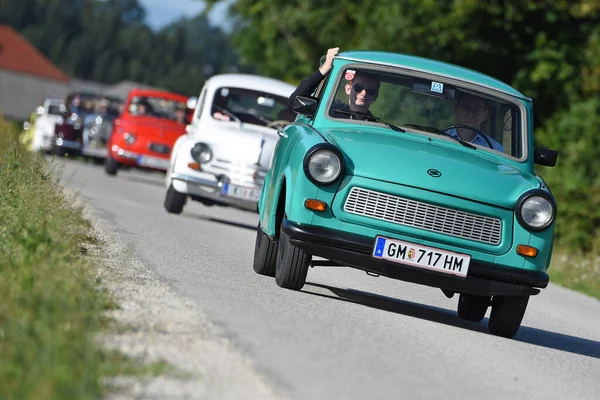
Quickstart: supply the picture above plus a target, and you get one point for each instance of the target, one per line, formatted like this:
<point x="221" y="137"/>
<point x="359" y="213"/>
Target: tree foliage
<point x="109" y="41"/>
<point x="534" y="45"/>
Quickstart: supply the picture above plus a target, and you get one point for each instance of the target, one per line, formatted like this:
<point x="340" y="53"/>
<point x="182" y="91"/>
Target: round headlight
<point x="129" y="137"/>
<point x="324" y="166"/>
<point x="201" y="153"/>
<point x="537" y="212"/>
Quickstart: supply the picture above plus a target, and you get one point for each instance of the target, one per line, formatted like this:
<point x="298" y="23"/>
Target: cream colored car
<point x="224" y="157"/>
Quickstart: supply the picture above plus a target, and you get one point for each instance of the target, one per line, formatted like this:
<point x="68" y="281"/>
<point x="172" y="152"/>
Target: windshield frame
<point x="334" y="84"/>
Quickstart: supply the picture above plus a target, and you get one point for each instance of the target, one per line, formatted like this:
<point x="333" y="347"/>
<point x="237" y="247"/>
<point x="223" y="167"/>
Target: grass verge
<point x="51" y="309"/>
<point x="577" y="270"/>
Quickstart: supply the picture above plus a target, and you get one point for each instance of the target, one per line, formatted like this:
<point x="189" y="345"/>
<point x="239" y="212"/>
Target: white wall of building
<point x="21" y="94"/>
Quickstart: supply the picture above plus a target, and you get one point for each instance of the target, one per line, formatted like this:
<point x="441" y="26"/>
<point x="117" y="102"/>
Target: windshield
<point x="56" y="109"/>
<point x="159" y="108"/>
<point x="84" y="104"/>
<point x="431" y="107"/>
<point x="250" y="106"/>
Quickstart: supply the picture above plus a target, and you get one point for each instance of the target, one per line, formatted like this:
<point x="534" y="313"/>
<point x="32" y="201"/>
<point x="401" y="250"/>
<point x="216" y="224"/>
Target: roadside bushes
<point x="575" y="181"/>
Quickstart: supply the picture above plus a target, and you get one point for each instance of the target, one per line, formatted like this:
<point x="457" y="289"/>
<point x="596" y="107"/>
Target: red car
<point x="145" y="132"/>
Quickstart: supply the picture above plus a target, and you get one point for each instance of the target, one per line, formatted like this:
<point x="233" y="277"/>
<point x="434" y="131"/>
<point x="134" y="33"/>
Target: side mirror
<point x="305" y="105"/>
<point x="545" y="157"/>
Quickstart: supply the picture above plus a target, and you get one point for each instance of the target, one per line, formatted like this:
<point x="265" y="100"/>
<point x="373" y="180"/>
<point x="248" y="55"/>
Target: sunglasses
<point x="359" y="87"/>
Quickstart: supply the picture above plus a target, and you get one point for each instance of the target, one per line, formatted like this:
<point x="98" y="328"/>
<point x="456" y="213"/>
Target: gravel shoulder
<point x="159" y="325"/>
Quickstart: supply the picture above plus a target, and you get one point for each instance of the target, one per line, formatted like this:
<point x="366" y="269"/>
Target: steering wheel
<point x="281" y="123"/>
<point x="471" y="129"/>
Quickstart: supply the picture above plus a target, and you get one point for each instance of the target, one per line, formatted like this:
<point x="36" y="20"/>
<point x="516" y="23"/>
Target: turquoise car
<point x="434" y="184"/>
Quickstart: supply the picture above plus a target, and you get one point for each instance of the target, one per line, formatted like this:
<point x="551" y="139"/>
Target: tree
<point x="108" y="41"/>
<point x="535" y="45"/>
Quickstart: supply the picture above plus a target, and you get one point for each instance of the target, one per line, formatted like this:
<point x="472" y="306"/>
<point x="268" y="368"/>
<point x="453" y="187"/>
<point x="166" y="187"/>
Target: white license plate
<point x="421" y="256"/>
<point x="240" y="192"/>
<point x="153" y="162"/>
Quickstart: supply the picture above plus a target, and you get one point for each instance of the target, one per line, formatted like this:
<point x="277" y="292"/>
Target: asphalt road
<point x="346" y="335"/>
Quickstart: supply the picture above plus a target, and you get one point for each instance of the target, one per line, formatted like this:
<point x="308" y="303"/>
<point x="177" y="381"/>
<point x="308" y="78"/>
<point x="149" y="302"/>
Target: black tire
<point x="507" y="314"/>
<point x="59" y="151"/>
<point x="174" y="201"/>
<point x="472" y="308"/>
<point x="111" y="166"/>
<point x="292" y="264"/>
<point x="265" y="254"/>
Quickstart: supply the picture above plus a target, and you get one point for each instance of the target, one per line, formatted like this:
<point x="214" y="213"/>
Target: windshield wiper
<point x="367" y="116"/>
<point x="232" y="115"/>
<point x="440" y="132"/>
<point x="266" y="120"/>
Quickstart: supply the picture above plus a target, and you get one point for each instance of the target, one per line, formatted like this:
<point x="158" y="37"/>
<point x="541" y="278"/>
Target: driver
<point x="471" y="111"/>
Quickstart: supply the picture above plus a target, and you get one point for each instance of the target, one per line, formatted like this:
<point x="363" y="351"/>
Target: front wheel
<point x="111" y="166"/>
<point x="507" y="314"/>
<point x="59" y="151"/>
<point x="265" y="254"/>
<point x="292" y="264"/>
<point x="174" y="201"/>
<point x="472" y="308"/>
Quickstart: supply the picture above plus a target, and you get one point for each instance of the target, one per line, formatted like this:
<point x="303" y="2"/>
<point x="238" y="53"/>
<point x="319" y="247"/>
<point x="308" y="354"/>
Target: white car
<point x="49" y="114"/>
<point x="224" y="157"/>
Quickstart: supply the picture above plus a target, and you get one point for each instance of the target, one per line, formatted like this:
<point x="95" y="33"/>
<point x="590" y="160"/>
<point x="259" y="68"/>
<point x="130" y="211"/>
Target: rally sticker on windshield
<point x="350" y="74"/>
<point x="437" y="87"/>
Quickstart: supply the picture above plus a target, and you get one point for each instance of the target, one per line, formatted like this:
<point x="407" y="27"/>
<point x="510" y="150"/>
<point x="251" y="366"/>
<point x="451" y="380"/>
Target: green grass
<point x="577" y="270"/>
<point x="51" y="309"/>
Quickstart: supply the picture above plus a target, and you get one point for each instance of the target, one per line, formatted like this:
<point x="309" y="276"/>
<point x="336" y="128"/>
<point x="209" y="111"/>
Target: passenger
<point x="362" y="89"/>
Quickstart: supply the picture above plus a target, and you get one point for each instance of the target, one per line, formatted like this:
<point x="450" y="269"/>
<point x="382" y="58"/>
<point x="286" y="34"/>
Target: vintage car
<point x="144" y="134"/>
<point x="97" y="128"/>
<point x="224" y="157"/>
<point x="433" y="184"/>
<point x="49" y="114"/>
<point x="68" y="131"/>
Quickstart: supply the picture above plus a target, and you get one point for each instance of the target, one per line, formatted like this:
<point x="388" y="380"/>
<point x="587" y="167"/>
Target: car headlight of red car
<point x="129" y="137"/>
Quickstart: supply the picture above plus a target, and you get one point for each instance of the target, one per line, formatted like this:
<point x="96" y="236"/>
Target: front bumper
<point x="209" y="187"/>
<point x="355" y="251"/>
<point x="138" y="159"/>
<point x="68" y="144"/>
<point x="43" y="141"/>
<point x="98" y="152"/>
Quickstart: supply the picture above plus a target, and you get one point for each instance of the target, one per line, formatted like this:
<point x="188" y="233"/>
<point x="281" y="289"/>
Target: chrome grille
<point x="420" y="215"/>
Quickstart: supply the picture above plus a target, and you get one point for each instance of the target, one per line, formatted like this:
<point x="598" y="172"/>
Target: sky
<point x="161" y="12"/>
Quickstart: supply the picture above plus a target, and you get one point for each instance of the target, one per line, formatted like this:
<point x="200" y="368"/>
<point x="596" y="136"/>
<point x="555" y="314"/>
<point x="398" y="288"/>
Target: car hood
<point x="243" y="144"/>
<point x="154" y="128"/>
<point x="416" y="161"/>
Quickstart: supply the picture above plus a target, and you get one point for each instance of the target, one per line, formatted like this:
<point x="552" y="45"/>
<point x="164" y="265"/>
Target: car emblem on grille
<point x="434" y="173"/>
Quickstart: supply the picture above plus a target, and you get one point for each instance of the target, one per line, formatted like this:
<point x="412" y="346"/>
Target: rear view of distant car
<point x="144" y="134"/>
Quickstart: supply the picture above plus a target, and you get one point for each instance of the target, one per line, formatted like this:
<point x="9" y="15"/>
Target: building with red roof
<point x="27" y="77"/>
